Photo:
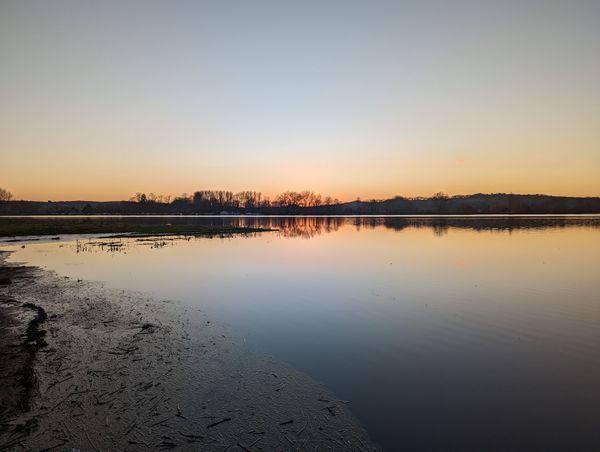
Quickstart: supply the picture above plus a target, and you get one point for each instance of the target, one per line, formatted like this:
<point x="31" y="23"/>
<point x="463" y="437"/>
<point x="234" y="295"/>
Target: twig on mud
<point x="90" y="440"/>
<point x="344" y="445"/>
<point x="69" y="395"/>
<point x="59" y="382"/>
<point x="302" y="429"/>
<point x="159" y="422"/>
<point x="190" y="435"/>
<point x="254" y="442"/>
<point x="139" y="436"/>
<point x="330" y="409"/>
<point x="214" y="424"/>
<point x="167" y="445"/>
<point x="146" y="328"/>
<point x="124" y="351"/>
<point x="152" y="408"/>
<point x="69" y="434"/>
<point x="62" y="443"/>
<point x="131" y="427"/>
<point x="115" y="391"/>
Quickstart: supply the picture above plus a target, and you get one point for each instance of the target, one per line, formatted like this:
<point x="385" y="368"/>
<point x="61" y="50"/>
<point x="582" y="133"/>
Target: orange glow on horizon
<point x="372" y="103"/>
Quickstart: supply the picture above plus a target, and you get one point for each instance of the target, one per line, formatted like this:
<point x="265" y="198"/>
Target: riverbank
<point x="103" y="369"/>
<point x="16" y="227"/>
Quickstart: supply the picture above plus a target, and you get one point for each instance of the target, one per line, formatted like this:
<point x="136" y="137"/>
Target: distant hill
<point x="498" y="203"/>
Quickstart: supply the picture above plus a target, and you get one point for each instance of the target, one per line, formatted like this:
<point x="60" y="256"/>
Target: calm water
<point x="444" y="334"/>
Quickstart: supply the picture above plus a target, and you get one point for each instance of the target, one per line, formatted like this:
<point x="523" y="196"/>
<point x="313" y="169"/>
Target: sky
<point x="369" y="99"/>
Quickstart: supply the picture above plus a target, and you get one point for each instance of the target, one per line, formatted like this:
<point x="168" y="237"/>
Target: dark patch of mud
<point x="116" y="370"/>
<point x="34" y="340"/>
<point x="20" y="340"/>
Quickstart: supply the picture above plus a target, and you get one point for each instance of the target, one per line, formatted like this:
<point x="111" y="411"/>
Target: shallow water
<point x="442" y="333"/>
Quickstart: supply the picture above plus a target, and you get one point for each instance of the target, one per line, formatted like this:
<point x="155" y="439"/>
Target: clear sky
<point x="101" y="99"/>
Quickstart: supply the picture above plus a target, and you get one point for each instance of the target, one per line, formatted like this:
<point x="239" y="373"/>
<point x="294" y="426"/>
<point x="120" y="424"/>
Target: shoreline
<point x="32" y="227"/>
<point x="113" y="369"/>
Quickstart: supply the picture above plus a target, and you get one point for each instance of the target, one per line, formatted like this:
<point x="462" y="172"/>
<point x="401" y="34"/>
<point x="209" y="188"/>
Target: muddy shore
<point x="92" y="368"/>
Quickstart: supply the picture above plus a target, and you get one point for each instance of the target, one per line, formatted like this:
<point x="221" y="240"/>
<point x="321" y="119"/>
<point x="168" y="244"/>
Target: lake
<point x="443" y="333"/>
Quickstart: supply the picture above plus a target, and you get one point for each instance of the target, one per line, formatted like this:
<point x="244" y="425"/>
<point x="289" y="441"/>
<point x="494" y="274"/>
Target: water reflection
<point x="310" y="227"/>
<point x="483" y="339"/>
<point x="441" y="225"/>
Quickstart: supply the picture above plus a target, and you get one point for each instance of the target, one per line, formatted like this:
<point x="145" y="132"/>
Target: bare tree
<point x="5" y="195"/>
<point x="440" y="201"/>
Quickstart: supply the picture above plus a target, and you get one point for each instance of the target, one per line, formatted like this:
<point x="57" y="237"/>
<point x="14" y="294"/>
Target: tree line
<point x="306" y="203"/>
<point x="203" y="201"/>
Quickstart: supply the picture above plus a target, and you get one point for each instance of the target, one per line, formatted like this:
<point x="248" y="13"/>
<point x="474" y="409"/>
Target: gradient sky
<point x="101" y="99"/>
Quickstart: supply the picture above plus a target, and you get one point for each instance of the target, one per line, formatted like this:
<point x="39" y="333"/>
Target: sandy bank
<point x="116" y="370"/>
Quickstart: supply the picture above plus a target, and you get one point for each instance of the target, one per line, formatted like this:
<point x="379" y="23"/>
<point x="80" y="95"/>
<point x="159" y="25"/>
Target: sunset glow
<point x="100" y="100"/>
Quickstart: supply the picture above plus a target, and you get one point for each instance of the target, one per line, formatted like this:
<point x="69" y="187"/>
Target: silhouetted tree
<point x="440" y="200"/>
<point x="5" y="195"/>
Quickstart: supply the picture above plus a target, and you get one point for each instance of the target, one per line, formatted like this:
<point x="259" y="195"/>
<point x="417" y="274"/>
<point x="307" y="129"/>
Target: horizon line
<point x="171" y="198"/>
